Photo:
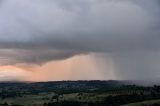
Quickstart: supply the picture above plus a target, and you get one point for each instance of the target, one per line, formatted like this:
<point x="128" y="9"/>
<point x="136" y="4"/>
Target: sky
<point x="50" y="40"/>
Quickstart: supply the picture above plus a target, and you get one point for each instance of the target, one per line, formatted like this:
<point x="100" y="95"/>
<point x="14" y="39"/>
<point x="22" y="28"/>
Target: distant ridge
<point x="121" y="82"/>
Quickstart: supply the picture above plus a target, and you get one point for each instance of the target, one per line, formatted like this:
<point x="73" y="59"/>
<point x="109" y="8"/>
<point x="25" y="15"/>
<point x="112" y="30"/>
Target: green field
<point x="145" y="103"/>
<point x="78" y="93"/>
<point x="42" y="98"/>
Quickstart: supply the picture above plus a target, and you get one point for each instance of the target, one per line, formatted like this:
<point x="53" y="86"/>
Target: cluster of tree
<point x="121" y="95"/>
<point x="8" y="94"/>
<point x="125" y="99"/>
<point x="58" y="86"/>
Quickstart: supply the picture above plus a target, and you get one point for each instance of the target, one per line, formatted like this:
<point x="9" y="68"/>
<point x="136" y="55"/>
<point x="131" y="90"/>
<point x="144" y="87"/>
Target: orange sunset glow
<point x="8" y="73"/>
<point x="56" y="70"/>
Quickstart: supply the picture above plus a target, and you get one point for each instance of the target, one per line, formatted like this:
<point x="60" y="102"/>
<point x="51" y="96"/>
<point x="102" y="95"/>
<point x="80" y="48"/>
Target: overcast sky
<point x="121" y="36"/>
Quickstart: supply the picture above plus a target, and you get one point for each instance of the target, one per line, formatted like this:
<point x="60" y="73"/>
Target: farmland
<point x="78" y="93"/>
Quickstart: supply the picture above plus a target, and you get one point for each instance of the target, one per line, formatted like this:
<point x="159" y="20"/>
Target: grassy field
<point x="40" y="99"/>
<point x="47" y="97"/>
<point x="25" y="100"/>
<point x="145" y="103"/>
<point x="78" y="93"/>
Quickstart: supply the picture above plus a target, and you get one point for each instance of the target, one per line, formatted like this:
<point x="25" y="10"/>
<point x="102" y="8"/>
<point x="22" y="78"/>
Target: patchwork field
<point x="78" y="93"/>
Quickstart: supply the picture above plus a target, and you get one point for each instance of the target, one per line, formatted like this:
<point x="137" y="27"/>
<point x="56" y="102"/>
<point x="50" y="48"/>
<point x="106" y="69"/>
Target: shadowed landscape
<point x="78" y="93"/>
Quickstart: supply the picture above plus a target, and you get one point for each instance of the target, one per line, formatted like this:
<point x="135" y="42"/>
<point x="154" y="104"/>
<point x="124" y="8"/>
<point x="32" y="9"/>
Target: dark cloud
<point x="38" y="31"/>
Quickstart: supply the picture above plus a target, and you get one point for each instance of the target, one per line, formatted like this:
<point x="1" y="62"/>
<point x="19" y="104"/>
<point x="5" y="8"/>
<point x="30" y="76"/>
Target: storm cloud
<point x="38" y="31"/>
